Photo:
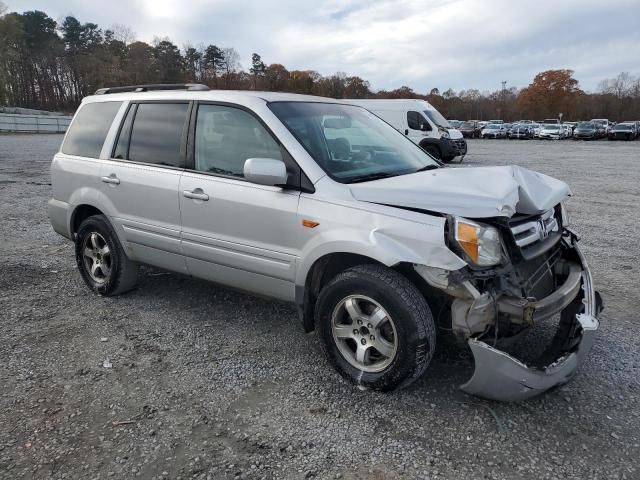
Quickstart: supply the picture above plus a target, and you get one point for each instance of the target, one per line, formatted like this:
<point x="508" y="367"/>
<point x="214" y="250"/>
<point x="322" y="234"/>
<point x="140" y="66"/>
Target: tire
<point x="408" y="326"/>
<point x="433" y="151"/>
<point x="102" y="262"/>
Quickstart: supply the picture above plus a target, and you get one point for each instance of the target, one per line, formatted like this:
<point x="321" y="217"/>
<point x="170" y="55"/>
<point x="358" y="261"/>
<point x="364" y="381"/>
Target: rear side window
<point x="157" y="134"/>
<point x="89" y="129"/>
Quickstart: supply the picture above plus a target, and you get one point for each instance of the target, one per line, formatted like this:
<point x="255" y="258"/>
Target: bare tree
<point x="123" y="33"/>
<point x="231" y="64"/>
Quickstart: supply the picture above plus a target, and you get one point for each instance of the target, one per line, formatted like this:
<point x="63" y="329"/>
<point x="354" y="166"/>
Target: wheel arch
<point x="80" y="214"/>
<point x="319" y="274"/>
<point x="430" y="142"/>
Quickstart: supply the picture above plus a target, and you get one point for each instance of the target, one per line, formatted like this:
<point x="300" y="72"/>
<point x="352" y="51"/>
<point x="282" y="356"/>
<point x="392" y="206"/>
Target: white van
<point x="420" y="122"/>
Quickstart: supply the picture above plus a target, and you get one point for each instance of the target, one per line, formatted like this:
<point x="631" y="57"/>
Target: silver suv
<point x="321" y="203"/>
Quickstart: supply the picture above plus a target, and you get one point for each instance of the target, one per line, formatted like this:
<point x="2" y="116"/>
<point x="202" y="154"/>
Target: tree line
<point x="50" y="65"/>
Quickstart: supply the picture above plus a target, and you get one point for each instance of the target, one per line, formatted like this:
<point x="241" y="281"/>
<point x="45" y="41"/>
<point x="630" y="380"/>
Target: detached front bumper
<point x="499" y="376"/>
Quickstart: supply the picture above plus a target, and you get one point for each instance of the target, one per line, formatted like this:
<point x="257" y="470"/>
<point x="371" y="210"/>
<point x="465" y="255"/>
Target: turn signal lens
<point x="467" y="237"/>
<point x="480" y="243"/>
<point x="309" y="223"/>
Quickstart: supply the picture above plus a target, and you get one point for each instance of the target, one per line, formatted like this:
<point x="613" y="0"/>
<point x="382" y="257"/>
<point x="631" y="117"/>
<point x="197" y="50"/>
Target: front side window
<point x="89" y="129"/>
<point x="157" y="133"/>
<point x="415" y="121"/>
<point x="350" y="143"/>
<point x="226" y="137"/>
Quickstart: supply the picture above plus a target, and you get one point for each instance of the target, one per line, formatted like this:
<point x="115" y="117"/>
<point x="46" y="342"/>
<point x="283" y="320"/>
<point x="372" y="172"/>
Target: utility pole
<point x="504" y="98"/>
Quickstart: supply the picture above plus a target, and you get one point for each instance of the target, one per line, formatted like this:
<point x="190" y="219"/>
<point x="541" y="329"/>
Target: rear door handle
<point x="112" y="179"/>
<point x="196" y="194"/>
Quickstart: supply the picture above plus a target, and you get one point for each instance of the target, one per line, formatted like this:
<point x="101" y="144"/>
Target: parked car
<point x="571" y="126"/>
<point x="320" y="203"/>
<point x="494" y="130"/>
<point x="422" y="124"/>
<point x="552" y="132"/>
<point x="537" y="129"/>
<point x="604" y="125"/>
<point x="624" y="131"/>
<point x="496" y="122"/>
<point x="567" y="130"/>
<point x="636" y="124"/>
<point x="455" y="123"/>
<point x="470" y="129"/>
<point x="524" y="131"/>
<point x="585" y="131"/>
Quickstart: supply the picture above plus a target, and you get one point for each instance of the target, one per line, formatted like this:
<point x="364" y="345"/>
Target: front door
<point x="235" y="232"/>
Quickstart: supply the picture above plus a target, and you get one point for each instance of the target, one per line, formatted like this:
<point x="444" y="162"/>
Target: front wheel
<point x="433" y="151"/>
<point x="375" y="327"/>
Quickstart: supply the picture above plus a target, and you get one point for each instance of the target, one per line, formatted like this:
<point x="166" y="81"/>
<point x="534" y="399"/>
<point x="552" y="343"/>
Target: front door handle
<point x="196" y="194"/>
<point x="112" y="179"/>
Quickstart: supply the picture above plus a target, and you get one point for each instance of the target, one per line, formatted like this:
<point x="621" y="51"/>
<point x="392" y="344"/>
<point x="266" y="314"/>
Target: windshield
<point x="436" y="118"/>
<point x="623" y="126"/>
<point x="350" y="143"/>
<point x="466" y="125"/>
<point x="586" y="125"/>
<point x="551" y="127"/>
<point x="492" y="127"/>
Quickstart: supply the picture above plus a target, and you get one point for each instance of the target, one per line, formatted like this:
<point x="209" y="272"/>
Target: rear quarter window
<point x="89" y="129"/>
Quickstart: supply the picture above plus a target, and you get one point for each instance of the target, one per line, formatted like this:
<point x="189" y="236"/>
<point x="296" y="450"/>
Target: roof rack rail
<point x="149" y="88"/>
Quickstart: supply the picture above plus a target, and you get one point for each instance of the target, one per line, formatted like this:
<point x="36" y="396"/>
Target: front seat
<point x="341" y="148"/>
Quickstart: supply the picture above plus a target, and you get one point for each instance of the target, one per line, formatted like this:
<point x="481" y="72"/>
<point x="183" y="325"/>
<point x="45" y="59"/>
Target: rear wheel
<point x="102" y="262"/>
<point x="375" y="327"/>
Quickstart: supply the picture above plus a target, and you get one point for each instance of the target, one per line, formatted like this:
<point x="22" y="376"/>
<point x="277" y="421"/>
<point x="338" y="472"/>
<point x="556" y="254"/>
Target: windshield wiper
<point x="371" y="176"/>
<point x="427" y="167"/>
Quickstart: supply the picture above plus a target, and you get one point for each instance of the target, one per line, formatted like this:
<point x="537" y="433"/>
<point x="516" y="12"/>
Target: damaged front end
<point x="544" y="277"/>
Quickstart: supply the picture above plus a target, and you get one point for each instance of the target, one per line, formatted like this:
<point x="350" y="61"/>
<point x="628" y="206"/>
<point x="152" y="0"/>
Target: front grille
<point x="531" y="231"/>
<point x="537" y="275"/>
<point x="460" y="145"/>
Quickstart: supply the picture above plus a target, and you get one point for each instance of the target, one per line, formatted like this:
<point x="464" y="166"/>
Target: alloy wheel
<point x="364" y="333"/>
<point x="97" y="257"/>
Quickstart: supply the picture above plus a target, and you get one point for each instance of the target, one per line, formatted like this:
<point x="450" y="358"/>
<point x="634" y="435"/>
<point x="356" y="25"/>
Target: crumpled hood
<point x="470" y="192"/>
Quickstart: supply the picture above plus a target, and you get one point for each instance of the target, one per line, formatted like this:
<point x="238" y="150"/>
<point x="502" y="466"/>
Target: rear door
<point x="235" y="232"/>
<point x="141" y="181"/>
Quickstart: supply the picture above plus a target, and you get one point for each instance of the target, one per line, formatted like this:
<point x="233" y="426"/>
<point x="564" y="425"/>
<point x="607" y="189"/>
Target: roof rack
<point x="198" y="87"/>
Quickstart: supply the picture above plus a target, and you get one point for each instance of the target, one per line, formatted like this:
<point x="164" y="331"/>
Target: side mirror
<point x="265" y="171"/>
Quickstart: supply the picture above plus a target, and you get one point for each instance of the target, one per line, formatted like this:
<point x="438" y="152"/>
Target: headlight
<point x="564" y="215"/>
<point x="443" y="133"/>
<point x="480" y="243"/>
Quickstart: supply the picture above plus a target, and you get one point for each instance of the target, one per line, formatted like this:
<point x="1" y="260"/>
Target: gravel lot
<point x="210" y="383"/>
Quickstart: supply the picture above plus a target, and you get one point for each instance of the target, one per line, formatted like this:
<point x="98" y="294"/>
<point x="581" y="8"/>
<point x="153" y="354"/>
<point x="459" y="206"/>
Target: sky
<point x="423" y="44"/>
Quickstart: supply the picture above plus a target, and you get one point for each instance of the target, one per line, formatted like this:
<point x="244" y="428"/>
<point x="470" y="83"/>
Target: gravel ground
<point x="210" y="383"/>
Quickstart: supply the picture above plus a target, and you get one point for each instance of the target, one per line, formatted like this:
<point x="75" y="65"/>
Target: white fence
<point x="34" y="123"/>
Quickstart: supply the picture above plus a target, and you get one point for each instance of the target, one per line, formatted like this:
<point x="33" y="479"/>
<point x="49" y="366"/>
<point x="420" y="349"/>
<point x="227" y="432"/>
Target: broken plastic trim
<point x="499" y="376"/>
